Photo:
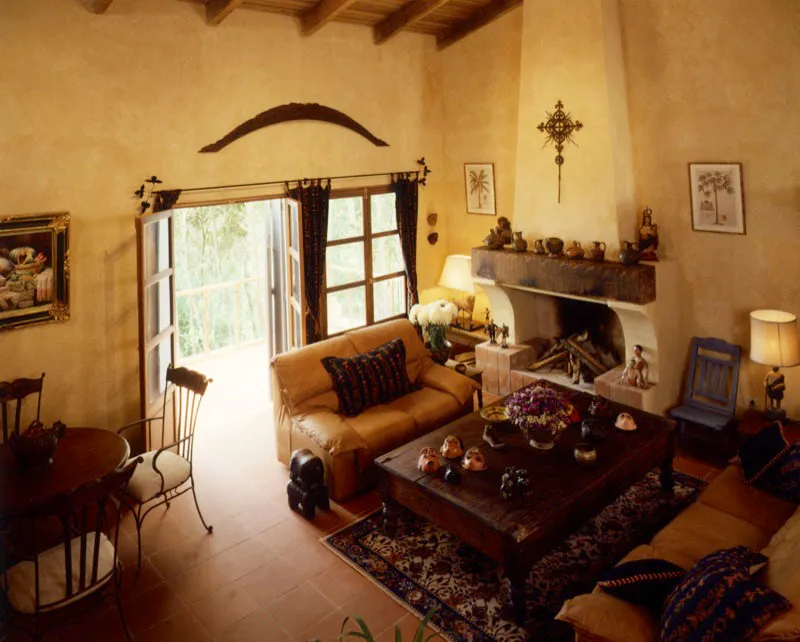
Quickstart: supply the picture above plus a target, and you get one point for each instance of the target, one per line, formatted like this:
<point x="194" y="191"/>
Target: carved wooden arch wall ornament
<point x="291" y="112"/>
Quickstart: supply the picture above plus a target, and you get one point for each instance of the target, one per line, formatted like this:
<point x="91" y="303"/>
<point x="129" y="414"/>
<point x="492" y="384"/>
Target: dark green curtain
<point x="406" y="191"/>
<point x="313" y="198"/>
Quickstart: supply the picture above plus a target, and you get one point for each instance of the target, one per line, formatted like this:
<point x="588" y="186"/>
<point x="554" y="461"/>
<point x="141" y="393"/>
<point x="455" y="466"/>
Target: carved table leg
<point x="667" y="480"/>
<point x="389" y="509"/>
<point x="517" y="573"/>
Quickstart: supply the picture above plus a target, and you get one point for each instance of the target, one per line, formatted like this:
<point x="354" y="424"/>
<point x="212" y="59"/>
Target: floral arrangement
<point x="434" y="318"/>
<point x="540" y="411"/>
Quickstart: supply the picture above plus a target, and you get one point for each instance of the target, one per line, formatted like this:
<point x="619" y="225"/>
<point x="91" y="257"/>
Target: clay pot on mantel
<point x="629" y="255"/>
<point x="575" y="252"/>
<point x="554" y="246"/>
<point x="538" y="247"/>
<point x="597" y="252"/>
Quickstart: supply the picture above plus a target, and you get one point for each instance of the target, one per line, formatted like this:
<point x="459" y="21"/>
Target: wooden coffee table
<point x="518" y="532"/>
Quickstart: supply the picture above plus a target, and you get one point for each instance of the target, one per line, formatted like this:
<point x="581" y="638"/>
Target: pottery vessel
<point x="442" y="353"/>
<point x="554" y="246"/>
<point x="625" y="422"/>
<point x="520" y="244"/>
<point x="538" y="247"/>
<point x="629" y="255"/>
<point x="474" y="459"/>
<point x="575" y="252"/>
<point x="452" y="447"/>
<point x="428" y="461"/>
<point x="585" y="454"/>
<point x="597" y="252"/>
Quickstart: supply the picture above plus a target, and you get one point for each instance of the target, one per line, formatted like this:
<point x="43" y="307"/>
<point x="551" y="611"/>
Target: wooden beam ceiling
<point x="321" y="14"/>
<point x="99" y="6"/>
<point x="477" y="19"/>
<point x="218" y="10"/>
<point x="404" y="18"/>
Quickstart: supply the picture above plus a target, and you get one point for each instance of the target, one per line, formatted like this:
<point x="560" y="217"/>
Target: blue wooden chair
<point x="709" y="398"/>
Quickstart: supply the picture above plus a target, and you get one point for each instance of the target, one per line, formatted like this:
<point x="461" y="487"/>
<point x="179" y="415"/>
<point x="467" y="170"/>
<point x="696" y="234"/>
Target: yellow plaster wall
<point x="717" y="81"/>
<point x="93" y="104"/>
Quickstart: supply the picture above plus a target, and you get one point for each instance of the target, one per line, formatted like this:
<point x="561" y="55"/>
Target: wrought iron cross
<point x="559" y="128"/>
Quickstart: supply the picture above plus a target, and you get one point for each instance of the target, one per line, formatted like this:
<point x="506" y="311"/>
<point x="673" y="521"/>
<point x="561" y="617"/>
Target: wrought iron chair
<point x="63" y="550"/>
<point x="166" y="473"/>
<point x="14" y="392"/>
<point x="709" y="398"/>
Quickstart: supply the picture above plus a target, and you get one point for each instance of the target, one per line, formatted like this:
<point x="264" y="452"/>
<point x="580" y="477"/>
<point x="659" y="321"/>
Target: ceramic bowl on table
<point x="495" y="414"/>
<point x="34" y="448"/>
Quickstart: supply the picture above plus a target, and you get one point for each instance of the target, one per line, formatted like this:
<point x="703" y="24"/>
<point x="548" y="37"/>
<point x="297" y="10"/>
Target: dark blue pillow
<point x="762" y="451"/>
<point x="783" y="479"/>
<point x="645" y="582"/>
<point x="718" y="601"/>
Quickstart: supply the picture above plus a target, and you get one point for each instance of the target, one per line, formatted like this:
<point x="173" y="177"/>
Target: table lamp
<point x="457" y="275"/>
<point x="774" y="342"/>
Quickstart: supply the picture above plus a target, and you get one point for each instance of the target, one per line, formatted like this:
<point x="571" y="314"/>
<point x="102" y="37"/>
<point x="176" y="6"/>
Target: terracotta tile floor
<point x="262" y="575"/>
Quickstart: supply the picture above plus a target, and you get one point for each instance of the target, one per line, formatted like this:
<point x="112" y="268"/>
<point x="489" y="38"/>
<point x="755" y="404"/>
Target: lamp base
<point x="775" y="414"/>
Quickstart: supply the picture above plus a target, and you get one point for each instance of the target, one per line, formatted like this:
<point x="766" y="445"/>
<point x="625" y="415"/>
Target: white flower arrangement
<point x="434" y="318"/>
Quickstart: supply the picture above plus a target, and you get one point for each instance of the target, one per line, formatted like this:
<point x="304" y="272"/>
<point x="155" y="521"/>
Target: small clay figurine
<point x="306" y="488"/>
<point x="486" y="319"/>
<point x="520" y="244"/>
<point x="428" y="461"/>
<point x="648" y="236"/>
<point x="452" y="447"/>
<point x="637" y="370"/>
<point x="474" y="459"/>
<point x="504" y="230"/>
<point x="514" y="483"/>
<point x="491" y="330"/>
<point x="504" y="336"/>
<point x="599" y="407"/>
<point x="493" y="241"/>
<point x="774" y="386"/>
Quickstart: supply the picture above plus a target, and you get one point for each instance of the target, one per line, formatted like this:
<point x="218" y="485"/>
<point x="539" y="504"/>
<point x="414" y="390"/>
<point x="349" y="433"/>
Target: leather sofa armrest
<point x="600" y="617"/>
<point x="330" y="431"/>
<point x="449" y="381"/>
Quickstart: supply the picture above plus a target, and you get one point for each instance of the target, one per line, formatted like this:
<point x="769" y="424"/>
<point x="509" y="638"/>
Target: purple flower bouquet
<point x="540" y="413"/>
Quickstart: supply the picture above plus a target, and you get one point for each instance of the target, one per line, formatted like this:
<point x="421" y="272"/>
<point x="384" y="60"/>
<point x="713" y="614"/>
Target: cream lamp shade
<point x="773" y="338"/>
<point x="457" y="273"/>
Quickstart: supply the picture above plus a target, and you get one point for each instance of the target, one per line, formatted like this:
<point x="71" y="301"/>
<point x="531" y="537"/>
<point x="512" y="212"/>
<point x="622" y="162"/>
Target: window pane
<point x="389" y="298"/>
<point x="298" y="329"/>
<point x="159" y="307"/>
<point x="157" y="360"/>
<point x="156" y="247"/>
<point x="347" y="309"/>
<point x="294" y="272"/>
<point x="383" y="213"/>
<point x="344" y="264"/>
<point x="294" y="226"/>
<point x="345" y="218"/>
<point x="387" y="257"/>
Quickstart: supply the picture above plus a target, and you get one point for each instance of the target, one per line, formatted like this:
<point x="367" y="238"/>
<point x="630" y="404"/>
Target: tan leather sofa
<point x="306" y="408"/>
<point x="727" y="513"/>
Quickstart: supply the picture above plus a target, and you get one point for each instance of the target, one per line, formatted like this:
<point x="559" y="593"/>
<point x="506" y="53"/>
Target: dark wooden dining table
<point x="82" y="455"/>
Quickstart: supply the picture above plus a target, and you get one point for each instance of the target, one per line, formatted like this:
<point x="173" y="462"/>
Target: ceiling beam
<point x="99" y="6"/>
<point x="477" y="19"/>
<point x="404" y="17"/>
<point x="322" y="13"/>
<point x="218" y="10"/>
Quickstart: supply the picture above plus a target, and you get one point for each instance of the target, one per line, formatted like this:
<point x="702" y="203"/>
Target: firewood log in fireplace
<point x="593" y="360"/>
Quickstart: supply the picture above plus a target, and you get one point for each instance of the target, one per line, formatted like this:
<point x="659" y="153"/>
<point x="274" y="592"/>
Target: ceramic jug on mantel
<point x="597" y="252"/>
<point x="538" y="247"/>
<point x="575" y="252"/>
<point x="629" y="255"/>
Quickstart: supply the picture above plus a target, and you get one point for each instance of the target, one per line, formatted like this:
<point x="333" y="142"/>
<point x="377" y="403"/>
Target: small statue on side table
<point x="491" y="330"/>
<point x="504" y="336"/>
<point x="637" y="370"/>
<point x="306" y="488"/>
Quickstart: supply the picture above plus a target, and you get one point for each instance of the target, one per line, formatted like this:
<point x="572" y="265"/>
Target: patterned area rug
<point x="425" y="566"/>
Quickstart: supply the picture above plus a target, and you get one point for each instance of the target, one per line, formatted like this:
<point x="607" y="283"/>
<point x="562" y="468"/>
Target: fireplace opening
<point x="577" y="340"/>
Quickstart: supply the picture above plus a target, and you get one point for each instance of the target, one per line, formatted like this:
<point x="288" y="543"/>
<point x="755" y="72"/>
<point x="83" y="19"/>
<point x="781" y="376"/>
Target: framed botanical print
<point x="34" y="269"/>
<point x="479" y="182"/>
<point x="717" y="197"/>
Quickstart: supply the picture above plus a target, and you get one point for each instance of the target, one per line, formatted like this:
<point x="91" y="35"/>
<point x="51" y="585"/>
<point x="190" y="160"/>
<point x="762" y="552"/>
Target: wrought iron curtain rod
<point x="266" y="183"/>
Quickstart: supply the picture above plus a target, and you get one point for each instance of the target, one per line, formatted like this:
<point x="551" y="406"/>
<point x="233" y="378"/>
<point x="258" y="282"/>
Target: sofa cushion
<point x="783" y="479"/>
<point x="449" y="381"/>
<point x="762" y="451"/>
<point x="718" y="601"/>
<point x="368" y="379"/>
<point x="428" y="407"/>
<point x="300" y="373"/>
<point x="599" y="616"/>
<point x="730" y="494"/>
<point x="783" y="574"/>
<point x="383" y="428"/>
<point x="329" y="431"/>
<point x="366" y="339"/>
<point x="701" y="529"/>
<point x="646" y="582"/>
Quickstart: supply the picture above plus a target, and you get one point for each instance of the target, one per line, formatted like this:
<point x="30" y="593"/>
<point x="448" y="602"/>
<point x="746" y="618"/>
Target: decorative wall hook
<point x="424" y="171"/>
<point x="559" y="128"/>
<point x="162" y="199"/>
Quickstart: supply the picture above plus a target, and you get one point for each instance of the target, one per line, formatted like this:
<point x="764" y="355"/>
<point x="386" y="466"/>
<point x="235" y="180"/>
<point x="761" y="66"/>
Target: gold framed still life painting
<point x="34" y="269"/>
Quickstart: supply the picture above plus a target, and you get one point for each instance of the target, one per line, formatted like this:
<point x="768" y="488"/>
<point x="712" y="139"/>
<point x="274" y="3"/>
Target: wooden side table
<point x="476" y="374"/>
<point x="753" y="421"/>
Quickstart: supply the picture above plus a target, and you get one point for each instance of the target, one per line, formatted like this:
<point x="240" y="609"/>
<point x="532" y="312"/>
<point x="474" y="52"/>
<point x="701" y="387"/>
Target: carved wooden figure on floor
<point x="306" y="488"/>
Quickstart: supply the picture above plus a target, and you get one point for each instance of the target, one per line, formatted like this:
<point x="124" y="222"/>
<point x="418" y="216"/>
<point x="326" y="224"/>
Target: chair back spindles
<point x="188" y="388"/>
<point x="13" y="393"/>
<point x="713" y="374"/>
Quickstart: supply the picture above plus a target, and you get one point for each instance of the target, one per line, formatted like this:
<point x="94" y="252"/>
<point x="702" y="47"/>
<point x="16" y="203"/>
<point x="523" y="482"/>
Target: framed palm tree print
<point x="717" y="197"/>
<point x="479" y="182"/>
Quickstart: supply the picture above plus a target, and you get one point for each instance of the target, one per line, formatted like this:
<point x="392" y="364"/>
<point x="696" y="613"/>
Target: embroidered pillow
<point x="762" y="451"/>
<point x="718" y="601"/>
<point x="371" y="378"/>
<point x="783" y="479"/>
<point x="645" y="582"/>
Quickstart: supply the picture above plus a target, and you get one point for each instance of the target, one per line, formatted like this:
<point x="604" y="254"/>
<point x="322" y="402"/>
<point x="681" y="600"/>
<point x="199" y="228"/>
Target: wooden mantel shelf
<point x="609" y="280"/>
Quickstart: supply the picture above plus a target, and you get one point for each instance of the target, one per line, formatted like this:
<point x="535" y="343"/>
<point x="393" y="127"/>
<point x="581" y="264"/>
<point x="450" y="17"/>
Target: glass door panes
<point x="364" y="277"/>
<point x="295" y="308"/>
